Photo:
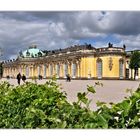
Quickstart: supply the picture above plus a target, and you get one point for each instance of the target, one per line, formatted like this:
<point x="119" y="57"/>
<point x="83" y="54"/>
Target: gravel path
<point x="112" y="90"/>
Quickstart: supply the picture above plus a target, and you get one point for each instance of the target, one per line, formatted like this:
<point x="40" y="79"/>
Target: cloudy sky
<point x="54" y="30"/>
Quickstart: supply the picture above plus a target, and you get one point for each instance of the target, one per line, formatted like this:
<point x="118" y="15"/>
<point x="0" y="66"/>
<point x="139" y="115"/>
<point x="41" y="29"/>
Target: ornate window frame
<point x="99" y="71"/>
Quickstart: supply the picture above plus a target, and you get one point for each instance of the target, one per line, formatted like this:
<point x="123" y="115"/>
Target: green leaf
<point x="82" y="97"/>
<point x="102" y="122"/>
<point x="99" y="104"/>
<point x="91" y="89"/>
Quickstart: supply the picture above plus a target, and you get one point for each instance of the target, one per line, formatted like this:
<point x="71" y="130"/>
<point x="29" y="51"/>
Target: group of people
<point x="19" y="77"/>
<point x="23" y="77"/>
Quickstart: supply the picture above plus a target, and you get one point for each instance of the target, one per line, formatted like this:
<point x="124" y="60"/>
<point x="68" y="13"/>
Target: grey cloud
<point x="123" y="23"/>
<point x="52" y="30"/>
<point x="131" y="41"/>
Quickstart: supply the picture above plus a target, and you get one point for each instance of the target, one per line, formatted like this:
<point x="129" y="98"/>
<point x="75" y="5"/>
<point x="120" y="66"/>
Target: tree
<point x="135" y="62"/>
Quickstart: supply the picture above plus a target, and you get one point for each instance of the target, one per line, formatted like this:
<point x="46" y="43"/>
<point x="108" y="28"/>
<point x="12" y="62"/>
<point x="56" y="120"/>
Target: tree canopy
<point x="135" y="60"/>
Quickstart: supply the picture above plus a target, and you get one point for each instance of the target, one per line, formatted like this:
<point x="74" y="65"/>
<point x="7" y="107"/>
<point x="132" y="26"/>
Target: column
<point x="54" y="69"/>
<point x="10" y="74"/>
<point x="7" y="71"/>
<point x="61" y="70"/>
<point x="38" y="70"/>
<point x="13" y="72"/>
<point x="47" y="70"/>
<point x="41" y="70"/>
<point x="19" y="69"/>
<point x="4" y="72"/>
<point x="24" y="69"/>
<point x="32" y="71"/>
<point x="69" y="68"/>
<point x="35" y="71"/>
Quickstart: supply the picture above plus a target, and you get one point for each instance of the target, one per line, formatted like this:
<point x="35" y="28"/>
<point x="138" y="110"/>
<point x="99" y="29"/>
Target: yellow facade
<point x="89" y="66"/>
<point x="79" y="62"/>
<point x="114" y="72"/>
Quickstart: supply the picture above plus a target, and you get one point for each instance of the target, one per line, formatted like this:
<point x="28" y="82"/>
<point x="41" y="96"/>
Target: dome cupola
<point x="31" y="52"/>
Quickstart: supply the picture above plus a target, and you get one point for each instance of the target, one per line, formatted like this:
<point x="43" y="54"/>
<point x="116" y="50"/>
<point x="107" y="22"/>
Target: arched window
<point x="57" y="70"/>
<point x="121" y="62"/>
<point x="51" y="70"/>
<point x="44" y="71"/>
<point x="73" y="70"/>
<point x="99" y="68"/>
<point x="65" y="69"/>
<point x="39" y="71"/>
<point x="27" y="71"/>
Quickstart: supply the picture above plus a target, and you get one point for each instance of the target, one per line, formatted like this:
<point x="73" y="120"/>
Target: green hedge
<point x="45" y="106"/>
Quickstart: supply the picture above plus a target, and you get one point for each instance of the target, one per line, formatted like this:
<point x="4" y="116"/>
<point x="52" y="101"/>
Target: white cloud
<point x="132" y="42"/>
<point x="54" y="30"/>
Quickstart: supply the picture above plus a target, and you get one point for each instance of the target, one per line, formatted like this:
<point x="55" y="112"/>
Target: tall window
<point x="51" y="70"/>
<point x="38" y="70"/>
<point x="65" y="69"/>
<point x="27" y="71"/>
<point x="73" y="70"/>
<point x="44" y="71"/>
<point x="57" y="69"/>
<point x="99" y="68"/>
<point x="121" y="68"/>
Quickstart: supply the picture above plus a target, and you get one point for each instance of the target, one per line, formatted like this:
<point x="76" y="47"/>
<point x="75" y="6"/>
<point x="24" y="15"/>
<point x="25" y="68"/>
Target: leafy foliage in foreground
<point x="44" y="106"/>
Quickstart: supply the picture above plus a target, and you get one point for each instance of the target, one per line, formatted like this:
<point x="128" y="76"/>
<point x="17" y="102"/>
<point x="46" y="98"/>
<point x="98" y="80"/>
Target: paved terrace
<point x="112" y="90"/>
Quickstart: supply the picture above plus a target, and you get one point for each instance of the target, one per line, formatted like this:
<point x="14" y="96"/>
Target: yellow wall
<point x="88" y="65"/>
<point x="114" y="72"/>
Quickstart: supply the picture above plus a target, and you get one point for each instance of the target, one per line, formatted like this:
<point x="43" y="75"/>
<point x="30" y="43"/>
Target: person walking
<point x="23" y="78"/>
<point x="68" y="78"/>
<point x="18" y="78"/>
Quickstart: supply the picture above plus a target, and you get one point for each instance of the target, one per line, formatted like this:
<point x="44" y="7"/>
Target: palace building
<point x="79" y="61"/>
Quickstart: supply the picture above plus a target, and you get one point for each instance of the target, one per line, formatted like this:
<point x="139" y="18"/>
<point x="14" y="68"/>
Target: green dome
<point x="32" y="52"/>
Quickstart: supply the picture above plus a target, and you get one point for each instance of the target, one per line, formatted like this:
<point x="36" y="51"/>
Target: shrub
<point x="45" y="106"/>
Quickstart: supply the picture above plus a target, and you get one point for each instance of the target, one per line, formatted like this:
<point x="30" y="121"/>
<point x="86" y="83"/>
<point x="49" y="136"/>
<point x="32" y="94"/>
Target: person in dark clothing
<point x="40" y="77"/>
<point x="23" y="78"/>
<point x="18" y="78"/>
<point x="68" y="78"/>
